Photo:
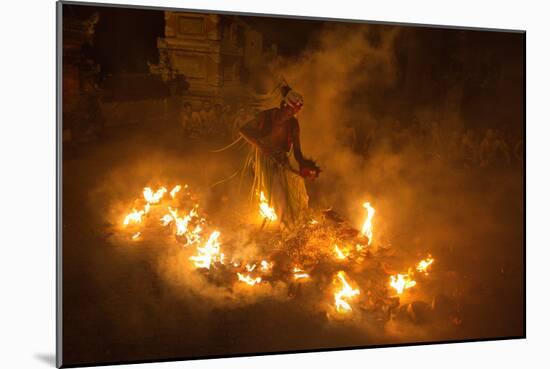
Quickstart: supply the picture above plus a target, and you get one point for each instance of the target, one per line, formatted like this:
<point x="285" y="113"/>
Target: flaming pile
<point x="336" y="247"/>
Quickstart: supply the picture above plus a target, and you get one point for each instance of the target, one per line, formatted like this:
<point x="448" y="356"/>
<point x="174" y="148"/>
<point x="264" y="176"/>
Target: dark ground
<point x="118" y="306"/>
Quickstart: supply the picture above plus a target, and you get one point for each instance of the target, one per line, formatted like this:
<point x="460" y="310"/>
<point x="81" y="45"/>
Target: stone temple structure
<point x="209" y="56"/>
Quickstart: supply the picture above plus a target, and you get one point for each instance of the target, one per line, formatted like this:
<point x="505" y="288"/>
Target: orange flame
<point x="134" y="217"/>
<point x="424" y="264"/>
<point x="248" y="279"/>
<point x="299" y="273"/>
<point x="182" y="223"/>
<point x="166" y="219"/>
<point x="153" y="197"/>
<point x="209" y="253"/>
<point x="194" y="235"/>
<point x="346" y="292"/>
<point x="401" y="282"/>
<point x="367" y="226"/>
<point x="266" y="211"/>
<point x="339" y="253"/>
<point x="174" y="191"/>
<point x="265" y="266"/>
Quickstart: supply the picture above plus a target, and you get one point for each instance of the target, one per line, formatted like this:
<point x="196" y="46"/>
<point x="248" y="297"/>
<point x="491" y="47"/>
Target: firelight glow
<point x="367" y="225"/>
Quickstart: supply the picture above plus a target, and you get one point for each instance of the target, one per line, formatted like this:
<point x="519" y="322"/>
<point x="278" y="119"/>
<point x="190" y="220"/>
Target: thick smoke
<point x="410" y="168"/>
<point x="340" y="62"/>
<point x="400" y="159"/>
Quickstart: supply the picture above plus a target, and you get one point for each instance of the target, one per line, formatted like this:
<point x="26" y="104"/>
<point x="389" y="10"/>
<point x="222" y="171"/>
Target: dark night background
<point x="126" y="40"/>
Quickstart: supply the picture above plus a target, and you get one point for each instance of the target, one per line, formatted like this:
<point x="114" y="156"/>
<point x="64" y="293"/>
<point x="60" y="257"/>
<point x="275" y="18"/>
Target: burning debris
<point x="321" y="247"/>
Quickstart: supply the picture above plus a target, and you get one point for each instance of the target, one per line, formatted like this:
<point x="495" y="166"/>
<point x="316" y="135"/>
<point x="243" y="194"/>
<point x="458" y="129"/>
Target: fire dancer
<point x="272" y="134"/>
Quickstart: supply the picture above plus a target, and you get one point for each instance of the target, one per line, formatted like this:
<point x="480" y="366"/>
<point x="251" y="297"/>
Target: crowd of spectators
<point x="213" y="120"/>
<point x="465" y="148"/>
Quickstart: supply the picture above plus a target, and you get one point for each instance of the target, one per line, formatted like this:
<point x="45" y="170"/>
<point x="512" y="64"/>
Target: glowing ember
<point x="136" y="236"/>
<point x="209" y="253"/>
<point x="265" y="266"/>
<point x="153" y="197"/>
<point x="339" y="253"/>
<point x="248" y="279"/>
<point x="174" y="191"/>
<point x="367" y="226"/>
<point x="401" y="282"/>
<point x="266" y="211"/>
<point x="299" y="273"/>
<point x="134" y="217"/>
<point x="250" y="268"/>
<point x="146" y="208"/>
<point x="424" y="264"/>
<point x="346" y="293"/>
